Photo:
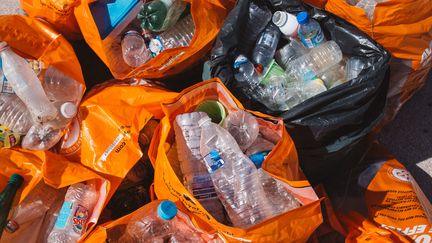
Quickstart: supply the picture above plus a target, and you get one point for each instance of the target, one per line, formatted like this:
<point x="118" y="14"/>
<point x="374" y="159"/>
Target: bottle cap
<point x="258" y="158"/>
<point x="286" y="22"/>
<point x="16" y="180"/>
<point x="303" y="17"/>
<point x="167" y="210"/>
<point x="68" y="110"/>
<point x="214" y="109"/>
<point x="241" y="59"/>
<point x="3" y="46"/>
<point x="12" y="226"/>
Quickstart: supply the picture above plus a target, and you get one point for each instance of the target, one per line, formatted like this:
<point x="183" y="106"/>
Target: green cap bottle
<point x="6" y="198"/>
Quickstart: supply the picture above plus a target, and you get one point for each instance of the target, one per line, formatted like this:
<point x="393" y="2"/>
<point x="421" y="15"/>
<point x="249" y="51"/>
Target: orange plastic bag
<point x="208" y="16"/>
<point x="35" y="40"/>
<point x="282" y="163"/>
<point x="53" y="170"/>
<point x="58" y="13"/>
<point x="113" y="230"/>
<point x="104" y="136"/>
<point x="404" y="27"/>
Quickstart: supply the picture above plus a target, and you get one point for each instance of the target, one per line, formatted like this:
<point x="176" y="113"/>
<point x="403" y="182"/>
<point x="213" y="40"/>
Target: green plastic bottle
<point x="7" y="197"/>
<point x="159" y="15"/>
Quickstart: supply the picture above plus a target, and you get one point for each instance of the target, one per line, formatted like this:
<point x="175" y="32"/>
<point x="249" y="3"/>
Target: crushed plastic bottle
<point x="265" y="47"/>
<point x="160" y="221"/>
<point x="195" y="175"/>
<point x="234" y="176"/>
<point x="179" y="35"/>
<point x="26" y="85"/>
<point x="159" y="15"/>
<point x="77" y="207"/>
<point x="134" y="49"/>
<point x="243" y="126"/>
<point x="310" y="31"/>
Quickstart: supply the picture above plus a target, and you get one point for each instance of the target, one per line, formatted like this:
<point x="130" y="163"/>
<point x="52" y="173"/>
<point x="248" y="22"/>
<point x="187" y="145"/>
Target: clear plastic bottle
<point x="26" y="85"/>
<point x="368" y="6"/>
<point x="317" y="61"/>
<point x="265" y="47"/>
<point x="354" y="66"/>
<point x="257" y="20"/>
<point x="287" y="23"/>
<point x="243" y="126"/>
<point x="289" y="52"/>
<point x="14" y="114"/>
<point x="248" y="78"/>
<point x="234" y="176"/>
<point x="134" y="49"/>
<point x="59" y="86"/>
<point x="160" y="221"/>
<point x="77" y="207"/>
<point x="281" y="200"/>
<point x="179" y="35"/>
<point x="195" y="174"/>
<point x="159" y="15"/>
<point x="310" y="31"/>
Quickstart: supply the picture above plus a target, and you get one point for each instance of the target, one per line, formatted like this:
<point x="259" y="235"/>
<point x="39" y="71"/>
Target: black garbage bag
<point x="329" y="130"/>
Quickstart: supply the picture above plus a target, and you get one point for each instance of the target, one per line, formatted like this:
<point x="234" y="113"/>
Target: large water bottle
<point x="159" y="15"/>
<point x="77" y="207"/>
<point x="317" y="61"/>
<point x="234" y="176"/>
<point x="160" y="221"/>
<point x="310" y="31"/>
<point x="257" y="19"/>
<point x="26" y="85"/>
<point x="14" y="114"/>
<point x="134" y="49"/>
<point x="179" y="35"/>
<point x="281" y="200"/>
<point x="195" y="174"/>
<point x="243" y="126"/>
<point x="265" y="47"/>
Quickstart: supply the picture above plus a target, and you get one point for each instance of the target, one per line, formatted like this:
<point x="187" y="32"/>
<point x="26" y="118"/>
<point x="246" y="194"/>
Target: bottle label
<point x="156" y="46"/>
<point x="5" y="86"/>
<point x="314" y="39"/>
<point x="202" y="187"/>
<point x="79" y="219"/>
<point x="8" y="138"/>
<point x="239" y="61"/>
<point x="266" y="39"/>
<point x="64" y="214"/>
<point x="212" y="163"/>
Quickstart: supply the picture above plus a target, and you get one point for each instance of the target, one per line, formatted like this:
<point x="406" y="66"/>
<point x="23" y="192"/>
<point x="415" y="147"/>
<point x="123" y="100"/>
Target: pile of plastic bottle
<point x="306" y="66"/>
<point x="165" y="24"/>
<point x="35" y="111"/>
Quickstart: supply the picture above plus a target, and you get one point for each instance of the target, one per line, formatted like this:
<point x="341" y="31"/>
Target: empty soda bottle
<point x="310" y="31"/>
<point x="243" y="126"/>
<point x="159" y="15"/>
<point x="77" y="207"/>
<point x="265" y="47"/>
<point x="160" y="221"/>
<point x="257" y="19"/>
<point x="134" y="49"/>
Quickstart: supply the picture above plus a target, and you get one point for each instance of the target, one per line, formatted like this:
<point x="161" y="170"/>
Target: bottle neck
<point x="8" y="194"/>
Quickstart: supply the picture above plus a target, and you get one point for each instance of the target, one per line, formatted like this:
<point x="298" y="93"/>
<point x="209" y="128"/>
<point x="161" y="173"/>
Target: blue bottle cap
<point x="303" y="17"/>
<point x="167" y="210"/>
<point x="258" y="158"/>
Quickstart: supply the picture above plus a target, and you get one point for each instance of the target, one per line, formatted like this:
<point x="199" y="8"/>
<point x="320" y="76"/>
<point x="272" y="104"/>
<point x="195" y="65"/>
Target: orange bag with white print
<point x="104" y="136"/>
<point x="404" y="27"/>
<point x="51" y="173"/>
<point x="282" y="163"/>
<point x="58" y="13"/>
<point x="208" y="16"/>
<point x="114" y="230"/>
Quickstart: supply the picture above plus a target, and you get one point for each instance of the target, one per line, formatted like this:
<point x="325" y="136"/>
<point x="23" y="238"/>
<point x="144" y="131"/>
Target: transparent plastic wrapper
<point x="328" y="129"/>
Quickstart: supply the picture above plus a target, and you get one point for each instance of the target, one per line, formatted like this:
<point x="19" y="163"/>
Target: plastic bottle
<point x="257" y="20"/>
<point x="368" y="6"/>
<point x="160" y="221"/>
<point x="317" y="61"/>
<point x="287" y="23"/>
<point x="289" y="52"/>
<point x="265" y="47"/>
<point x="60" y="87"/>
<point x="310" y="31"/>
<point x="334" y="76"/>
<point x="34" y="206"/>
<point x="26" y="85"/>
<point x="234" y="176"/>
<point x="195" y="174"/>
<point x="14" y="114"/>
<point x="159" y="15"/>
<point x="179" y="35"/>
<point x="41" y="137"/>
<point x="243" y="126"/>
<point x="281" y="200"/>
<point x="354" y="66"/>
<point x="248" y="78"/>
<point x="79" y="202"/>
<point x="134" y="50"/>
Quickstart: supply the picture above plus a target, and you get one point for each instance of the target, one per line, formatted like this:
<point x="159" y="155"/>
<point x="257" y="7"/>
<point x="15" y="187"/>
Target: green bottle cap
<point x="214" y="109"/>
<point x="16" y="179"/>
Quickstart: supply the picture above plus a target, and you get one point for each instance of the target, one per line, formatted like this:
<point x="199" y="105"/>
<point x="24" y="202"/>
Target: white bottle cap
<point x="286" y="22"/>
<point x="68" y="110"/>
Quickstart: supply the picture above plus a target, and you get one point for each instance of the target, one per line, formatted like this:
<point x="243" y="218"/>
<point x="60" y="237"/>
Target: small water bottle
<point x="134" y="50"/>
<point x="310" y="31"/>
<point x="266" y="45"/>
